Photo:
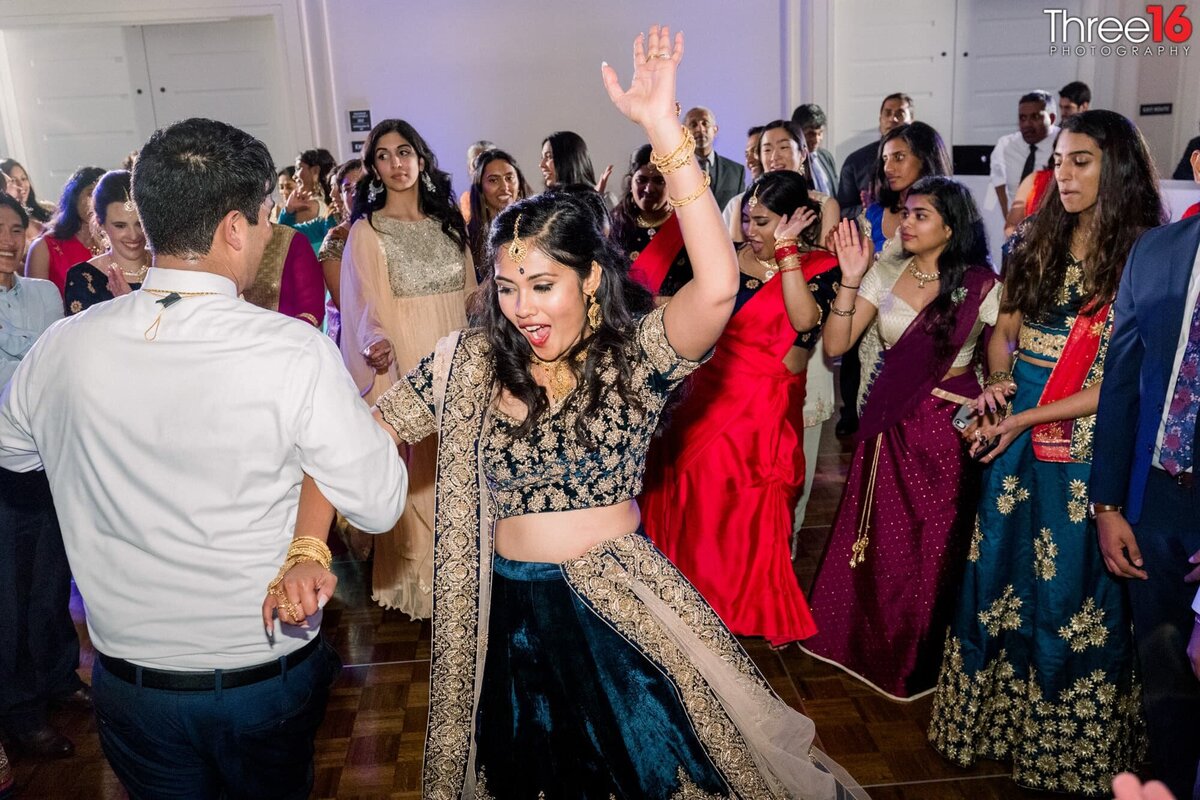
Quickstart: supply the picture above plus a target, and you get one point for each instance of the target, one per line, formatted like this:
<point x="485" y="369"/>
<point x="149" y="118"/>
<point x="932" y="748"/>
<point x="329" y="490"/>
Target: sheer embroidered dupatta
<point x="462" y="566"/>
<point x="766" y="745"/>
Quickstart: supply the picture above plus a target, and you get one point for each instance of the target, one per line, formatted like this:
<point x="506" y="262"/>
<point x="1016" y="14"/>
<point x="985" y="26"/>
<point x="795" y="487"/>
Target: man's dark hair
<point x="8" y="201"/>
<point x="754" y="130"/>
<point x="1077" y="92"/>
<point x="908" y="101"/>
<point x="190" y="175"/>
<point x="809" y="115"/>
<point x="1037" y="96"/>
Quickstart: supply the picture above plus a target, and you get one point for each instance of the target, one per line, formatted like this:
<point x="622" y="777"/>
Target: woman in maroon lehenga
<point x="721" y="483"/>
<point x="883" y="593"/>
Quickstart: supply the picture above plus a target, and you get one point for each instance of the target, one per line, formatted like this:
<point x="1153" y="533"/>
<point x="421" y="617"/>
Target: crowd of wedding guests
<point x="1017" y="534"/>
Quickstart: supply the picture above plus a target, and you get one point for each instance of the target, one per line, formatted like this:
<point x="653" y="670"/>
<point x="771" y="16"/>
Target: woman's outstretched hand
<point x="650" y="98"/>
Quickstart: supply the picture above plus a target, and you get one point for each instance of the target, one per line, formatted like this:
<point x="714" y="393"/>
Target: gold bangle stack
<point x="839" y="312"/>
<point x="691" y="197"/>
<point x="303" y="548"/>
<point x="678" y="158"/>
<point x="999" y="377"/>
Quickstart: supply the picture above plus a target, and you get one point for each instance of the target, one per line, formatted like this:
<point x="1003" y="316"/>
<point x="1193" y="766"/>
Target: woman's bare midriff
<point x="556" y="536"/>
<point x="1037" y="362"/>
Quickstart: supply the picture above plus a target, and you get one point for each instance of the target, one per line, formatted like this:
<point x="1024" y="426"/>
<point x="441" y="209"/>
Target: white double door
<point x="87" y="97"/>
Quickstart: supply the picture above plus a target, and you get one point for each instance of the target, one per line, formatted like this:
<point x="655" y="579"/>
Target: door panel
<point x="1007" y="54"/>
<point x="222" y="70"/>
<point x="883" y="48"/>
<point x="77" y="101"/>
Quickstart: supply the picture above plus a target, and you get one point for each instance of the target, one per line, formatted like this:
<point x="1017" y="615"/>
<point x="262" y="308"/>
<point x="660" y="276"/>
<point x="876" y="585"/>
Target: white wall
<point x="516" y="71"/>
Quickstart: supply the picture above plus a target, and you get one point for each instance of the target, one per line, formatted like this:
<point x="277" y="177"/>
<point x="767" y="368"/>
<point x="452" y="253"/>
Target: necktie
<point x="1179" y="433"/>
<point x="1028" y="168"/>
<point x="704" y="165"/>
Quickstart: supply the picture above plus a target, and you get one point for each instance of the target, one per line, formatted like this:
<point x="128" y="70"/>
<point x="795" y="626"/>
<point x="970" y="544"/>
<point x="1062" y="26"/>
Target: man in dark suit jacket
<point x="1144" y="498"/>
<point x="858" y="170"/>
<point x="728" y="177"/>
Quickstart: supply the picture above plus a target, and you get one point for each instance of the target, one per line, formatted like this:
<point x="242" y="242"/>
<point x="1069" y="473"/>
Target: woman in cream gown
<point x="406" y="276"/>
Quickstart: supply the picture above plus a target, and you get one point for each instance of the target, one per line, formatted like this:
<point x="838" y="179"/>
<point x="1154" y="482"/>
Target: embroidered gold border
<point x="603" y="575"/>
<point x="457" y="633"/>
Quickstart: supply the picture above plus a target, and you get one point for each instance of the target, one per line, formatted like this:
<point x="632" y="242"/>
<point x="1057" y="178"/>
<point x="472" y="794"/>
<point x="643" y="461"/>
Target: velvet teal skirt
<point x="570" y="708"/>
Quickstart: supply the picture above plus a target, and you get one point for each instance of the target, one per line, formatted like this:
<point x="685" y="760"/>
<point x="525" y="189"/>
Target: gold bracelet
<point x="999" y="377"/>
<point x="677" y="157"/>
<point x="840" y="313"/>
<point x="691" y="197"/>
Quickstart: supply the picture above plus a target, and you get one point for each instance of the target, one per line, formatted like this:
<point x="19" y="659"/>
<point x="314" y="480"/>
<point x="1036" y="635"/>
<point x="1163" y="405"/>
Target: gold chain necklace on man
<point x="922" y="277"/>
<point x="168" y="299"/>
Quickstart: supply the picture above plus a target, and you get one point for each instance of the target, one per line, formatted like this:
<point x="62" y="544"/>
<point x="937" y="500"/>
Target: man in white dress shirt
<point x="1025" y="150"/>
<point x="175" y="425"/>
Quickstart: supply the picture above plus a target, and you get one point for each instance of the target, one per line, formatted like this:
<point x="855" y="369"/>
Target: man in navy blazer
<point x="1148" y="522"/>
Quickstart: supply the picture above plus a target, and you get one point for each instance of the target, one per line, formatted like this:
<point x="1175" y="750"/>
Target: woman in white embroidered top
<point x="569" y="657"/>
<point x="406" y="275"/>
<point x="886" y="585"/>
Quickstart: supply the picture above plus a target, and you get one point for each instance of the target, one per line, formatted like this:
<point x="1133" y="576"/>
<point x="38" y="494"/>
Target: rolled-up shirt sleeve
<point x="343" y="448"/>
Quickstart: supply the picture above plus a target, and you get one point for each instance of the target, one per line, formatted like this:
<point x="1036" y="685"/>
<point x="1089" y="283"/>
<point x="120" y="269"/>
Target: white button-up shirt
<point x="1008" y="159"/>
<point x="175" y="457"/>
<point x="27" y="309"/>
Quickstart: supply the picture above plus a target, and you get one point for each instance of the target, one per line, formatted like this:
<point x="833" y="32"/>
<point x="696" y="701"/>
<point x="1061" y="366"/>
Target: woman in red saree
<point x="722" y="481"/>
<point x="886" y="586"/>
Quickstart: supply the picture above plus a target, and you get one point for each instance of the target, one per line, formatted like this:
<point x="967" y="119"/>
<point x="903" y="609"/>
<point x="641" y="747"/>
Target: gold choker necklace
<point x="922" y="277"/>
<point x="559" y="375"/>
<point x="770" y="267"/>
<point x="643" y="222"/>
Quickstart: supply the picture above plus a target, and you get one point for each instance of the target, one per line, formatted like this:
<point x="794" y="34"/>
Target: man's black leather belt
<point x="206" y="681"/>
<point x="1185" y="479"/>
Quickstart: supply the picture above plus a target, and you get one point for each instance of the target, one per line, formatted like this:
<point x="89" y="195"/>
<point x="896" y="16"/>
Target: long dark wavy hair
<point x="437" y="203"/>
<point x="481" y="215"/>
<point x="67" y="221"/>
<point x="785" y="192"/>
<point x="572" y="164"/>
<point x="1127" y="205"/>
<point x="966" y="249"/>
<point x="32" y="207"/>
<point x="926" y="144"/>
<point x="563" y="226"/>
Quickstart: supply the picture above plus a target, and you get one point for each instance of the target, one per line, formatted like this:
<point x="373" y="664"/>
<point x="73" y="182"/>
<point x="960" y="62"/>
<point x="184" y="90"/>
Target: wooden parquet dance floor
<point x="369" y="747"/>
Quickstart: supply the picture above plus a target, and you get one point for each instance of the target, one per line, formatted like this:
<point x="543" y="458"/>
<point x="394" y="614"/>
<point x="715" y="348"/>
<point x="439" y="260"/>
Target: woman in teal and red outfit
<point x="723" y="480"/>
<point x="1038" y="667"/>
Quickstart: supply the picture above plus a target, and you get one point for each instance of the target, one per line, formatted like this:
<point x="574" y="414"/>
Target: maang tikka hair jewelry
<point x="128" y="204"/>
<point x="753" y="202"/>
<point x="517" y="250"/>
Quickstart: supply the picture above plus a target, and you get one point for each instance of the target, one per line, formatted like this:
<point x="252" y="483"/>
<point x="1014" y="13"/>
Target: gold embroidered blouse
<point x="421" y="259"/>
<point x="550" y="469"/>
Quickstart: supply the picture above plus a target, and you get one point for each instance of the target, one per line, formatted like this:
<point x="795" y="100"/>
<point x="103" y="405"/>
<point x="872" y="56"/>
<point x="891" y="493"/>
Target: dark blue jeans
<point x="39" y="649"/>
<point x="254" y="741"/>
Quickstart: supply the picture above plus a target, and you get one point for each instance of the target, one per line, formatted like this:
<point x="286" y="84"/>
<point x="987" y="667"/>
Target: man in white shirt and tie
<point x="1025" y="150"/>
<point x="176" y="425"/>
